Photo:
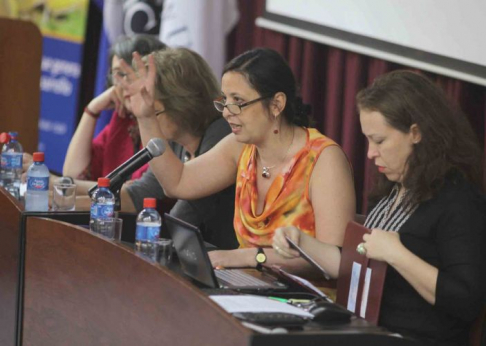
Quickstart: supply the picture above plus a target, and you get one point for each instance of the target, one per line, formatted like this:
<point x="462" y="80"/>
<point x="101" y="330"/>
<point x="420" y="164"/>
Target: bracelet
<point x="90" y="112"/>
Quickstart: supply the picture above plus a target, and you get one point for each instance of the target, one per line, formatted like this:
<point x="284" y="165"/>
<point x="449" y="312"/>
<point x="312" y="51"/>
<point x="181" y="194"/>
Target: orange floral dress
<point x="287" y="201"/>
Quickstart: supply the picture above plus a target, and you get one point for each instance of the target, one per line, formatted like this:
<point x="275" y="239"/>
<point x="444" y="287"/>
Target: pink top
<point x="113" y="146"/>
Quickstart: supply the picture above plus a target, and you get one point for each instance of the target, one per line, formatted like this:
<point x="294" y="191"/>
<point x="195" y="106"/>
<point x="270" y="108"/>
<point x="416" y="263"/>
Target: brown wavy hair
<point x="187" y="86"/>
<point x="448" y="145"/>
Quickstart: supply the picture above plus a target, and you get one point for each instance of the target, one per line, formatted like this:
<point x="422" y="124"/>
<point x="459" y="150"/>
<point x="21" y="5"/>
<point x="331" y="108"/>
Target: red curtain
<point x="329" y="80"/>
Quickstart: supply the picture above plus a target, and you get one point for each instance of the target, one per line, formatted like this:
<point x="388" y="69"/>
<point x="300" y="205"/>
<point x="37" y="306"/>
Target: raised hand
<point x="280" y="244"/>
<point x="139" y="85"/>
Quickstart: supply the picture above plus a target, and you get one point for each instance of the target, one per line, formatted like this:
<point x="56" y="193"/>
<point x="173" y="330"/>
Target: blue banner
<point x="61" y="71"/>
<point x="63" y="25"/>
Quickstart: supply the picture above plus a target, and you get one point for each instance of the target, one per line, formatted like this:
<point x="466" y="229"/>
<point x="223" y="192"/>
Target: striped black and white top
<point x="384" y="217"/>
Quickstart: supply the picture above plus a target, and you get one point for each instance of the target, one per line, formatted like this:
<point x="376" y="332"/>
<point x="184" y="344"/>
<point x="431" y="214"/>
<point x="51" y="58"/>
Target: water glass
<point x="164" y="252"/>
<point x="64" y="197"/>
<point x="110" y="227"/>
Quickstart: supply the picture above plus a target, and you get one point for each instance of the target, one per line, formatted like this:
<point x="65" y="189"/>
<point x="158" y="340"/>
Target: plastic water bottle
<point x="37" y="194"/>
<point x="148" y="229"/>
<point x="4" y="139"/>
<point x="102" y="205"/>
<point x="12" y="152"/>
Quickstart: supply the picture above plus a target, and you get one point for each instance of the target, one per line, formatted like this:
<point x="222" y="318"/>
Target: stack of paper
<point x="249" y="303"/>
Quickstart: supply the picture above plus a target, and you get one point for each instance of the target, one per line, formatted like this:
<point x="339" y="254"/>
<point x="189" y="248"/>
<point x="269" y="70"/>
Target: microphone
<point x="154" y="148"/>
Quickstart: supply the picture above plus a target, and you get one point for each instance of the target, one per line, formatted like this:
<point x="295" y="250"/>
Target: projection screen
<point x="441" y="36"/>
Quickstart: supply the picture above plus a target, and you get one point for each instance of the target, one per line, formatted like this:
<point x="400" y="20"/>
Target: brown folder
<point x="361" y="280"/>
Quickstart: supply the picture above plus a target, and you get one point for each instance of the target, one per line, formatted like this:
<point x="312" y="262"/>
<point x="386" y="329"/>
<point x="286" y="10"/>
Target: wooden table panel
<point x="10" y="213"/>
<point x="80" y="284"/>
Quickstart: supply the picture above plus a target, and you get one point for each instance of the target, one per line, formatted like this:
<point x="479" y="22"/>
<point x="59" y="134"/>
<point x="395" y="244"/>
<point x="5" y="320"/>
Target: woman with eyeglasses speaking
<point x="285" y="172"/>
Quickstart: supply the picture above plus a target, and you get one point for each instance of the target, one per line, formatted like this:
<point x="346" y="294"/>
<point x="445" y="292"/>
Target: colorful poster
<point x="63" y="24"/>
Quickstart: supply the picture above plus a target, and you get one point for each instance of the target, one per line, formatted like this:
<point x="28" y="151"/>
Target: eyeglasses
<point x="112" y="76"/>
<point x="157" y="113"/>
<point x="235" y="108"/>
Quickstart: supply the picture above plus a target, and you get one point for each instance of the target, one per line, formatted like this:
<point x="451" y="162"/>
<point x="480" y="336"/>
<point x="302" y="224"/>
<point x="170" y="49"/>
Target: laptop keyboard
<point x="239" y="278"/>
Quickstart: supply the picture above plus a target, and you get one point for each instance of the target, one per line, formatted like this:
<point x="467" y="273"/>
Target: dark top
<point x="213" y="214"/>
<point x="448" y="233"/>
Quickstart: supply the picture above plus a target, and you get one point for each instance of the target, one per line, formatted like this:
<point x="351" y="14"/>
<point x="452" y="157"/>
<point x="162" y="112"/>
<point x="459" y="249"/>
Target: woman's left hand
<point x="380" y="245"/>
<point x="233" y="258"/>
<point x="280" y="243"/>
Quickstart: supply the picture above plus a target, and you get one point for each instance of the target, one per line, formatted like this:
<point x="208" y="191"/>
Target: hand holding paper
<point x="308" y="258"/>
<point x="280" y="243"/>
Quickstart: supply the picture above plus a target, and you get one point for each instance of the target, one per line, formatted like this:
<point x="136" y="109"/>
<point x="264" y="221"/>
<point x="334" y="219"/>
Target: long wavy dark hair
<point x="448" y="145"/>
<point x="268" y="73"/>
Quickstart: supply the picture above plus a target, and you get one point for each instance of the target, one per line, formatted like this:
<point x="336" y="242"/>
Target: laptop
<point x="195" y="262"/>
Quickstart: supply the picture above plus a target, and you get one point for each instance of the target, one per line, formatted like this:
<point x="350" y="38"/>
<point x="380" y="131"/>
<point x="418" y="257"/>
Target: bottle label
<point x="38" y="183"/>
<point x="147" y="233"/>
<point x="93" y="210"/>
<point x="12" y="160"/>
<point x="141" y="233"/>
<point x="101" y="211"/>
<point x="153" y="234"/>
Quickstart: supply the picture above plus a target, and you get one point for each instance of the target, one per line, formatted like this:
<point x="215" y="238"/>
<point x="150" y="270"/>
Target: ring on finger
<point x="361" y="249"/>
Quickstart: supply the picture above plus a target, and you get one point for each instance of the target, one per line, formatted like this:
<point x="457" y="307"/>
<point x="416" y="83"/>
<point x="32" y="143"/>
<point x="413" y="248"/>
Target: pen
<point x="299" y="301"/>
<point x="291" y="300"/>
<point x="279" y="299"/>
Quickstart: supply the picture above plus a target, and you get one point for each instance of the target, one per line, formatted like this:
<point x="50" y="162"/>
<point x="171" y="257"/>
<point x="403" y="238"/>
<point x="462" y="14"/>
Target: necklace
<point x="394" y="195"/>
<point x="389" y="217"/>
<point x="266" y="169"/>
<point x="187" y="157"/>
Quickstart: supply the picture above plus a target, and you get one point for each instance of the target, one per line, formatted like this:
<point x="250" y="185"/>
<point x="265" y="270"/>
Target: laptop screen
<point x="193" y="257"/>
